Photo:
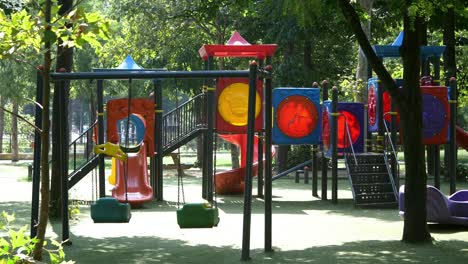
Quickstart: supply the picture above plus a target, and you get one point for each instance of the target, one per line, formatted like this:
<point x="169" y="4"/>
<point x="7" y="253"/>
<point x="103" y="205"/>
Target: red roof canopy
<point x="237" y="46"/>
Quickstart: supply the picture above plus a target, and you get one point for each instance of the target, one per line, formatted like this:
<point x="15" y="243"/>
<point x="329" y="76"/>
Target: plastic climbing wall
<point x="297" y="116"/>
<point x="233" y="98"/>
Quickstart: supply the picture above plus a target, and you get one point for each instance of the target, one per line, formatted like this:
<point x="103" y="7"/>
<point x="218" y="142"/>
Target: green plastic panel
<point x="197" y="215"/>
<point x="109" y="210"/>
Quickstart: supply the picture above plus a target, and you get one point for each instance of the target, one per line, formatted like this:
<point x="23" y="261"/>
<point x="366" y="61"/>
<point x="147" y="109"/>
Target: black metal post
<point x="452" y="136"/>
<point x="268" y="160"/>
<point x="209" y="134"/>
<point x="158" y="129"/>
<point x="324" y="159"/>
<point x="314" y="160"/>
<point x="63" y="156"/>
<point x="260" y="167"/>
<point x="334" y="143"/>
<point x="204" y="135"/>
<point x="100" y="108"/>
<point x="249" y="161"/>
<point x="314" y="170"/>
<point x="306" y="175"/>
<point x="436" y="149"/>
<point x="260" y="172"/>
<point x="36" y="179"/>
<point x="153" y="161"/>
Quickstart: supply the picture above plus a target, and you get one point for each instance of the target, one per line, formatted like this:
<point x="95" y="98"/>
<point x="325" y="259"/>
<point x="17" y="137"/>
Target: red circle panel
<point x="371" y="105"/>
<point x="353" y="126"/>
<point x="296" y="116"/>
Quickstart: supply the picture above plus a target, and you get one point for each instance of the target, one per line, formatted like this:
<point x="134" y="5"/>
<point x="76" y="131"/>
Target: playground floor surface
<point x="305" y="229"/>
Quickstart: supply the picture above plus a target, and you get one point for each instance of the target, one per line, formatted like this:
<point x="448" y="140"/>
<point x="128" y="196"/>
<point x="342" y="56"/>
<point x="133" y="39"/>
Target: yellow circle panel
<point x="233" y="104"/>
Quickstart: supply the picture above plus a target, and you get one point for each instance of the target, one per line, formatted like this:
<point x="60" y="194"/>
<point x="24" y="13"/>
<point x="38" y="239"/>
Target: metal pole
<point x="63" y="156"/>
<point x="37" y="157"/>
<point x="100" y="107"/>
<point x="324" y="159"/>
<point x="268" y="160"/>
<point x="153" y="161"/>
<point x="334" y="143"/>
<point x="208" y="63"/>
<point x="436" y="149"/>
<point x="147" y="75"/>
<point x="314" y="170"/>
<point x="209" y="137"/>
<point x="158" y="129"/>
<point x="452" y="136"/>
<point x="260" y="171"/>
<point x="249" y="160"/>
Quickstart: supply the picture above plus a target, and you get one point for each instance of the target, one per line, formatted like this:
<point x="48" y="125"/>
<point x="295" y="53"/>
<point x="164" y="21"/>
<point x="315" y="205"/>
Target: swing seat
<point x="110" y="210"/>
<point x="197" y="215"/>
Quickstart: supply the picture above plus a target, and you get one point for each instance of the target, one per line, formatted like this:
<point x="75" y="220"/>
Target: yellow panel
<point x="233" y="104"/>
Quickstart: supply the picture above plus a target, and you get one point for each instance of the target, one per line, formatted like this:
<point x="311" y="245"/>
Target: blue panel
<point x="279" y="95"/>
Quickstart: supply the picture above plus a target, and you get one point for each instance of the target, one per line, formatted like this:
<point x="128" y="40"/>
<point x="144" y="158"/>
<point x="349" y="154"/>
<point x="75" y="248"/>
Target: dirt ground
<point x="305" y="229"/>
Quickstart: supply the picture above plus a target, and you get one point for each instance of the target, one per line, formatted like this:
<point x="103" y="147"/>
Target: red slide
<point x="462" y="137"/>
<point x="138" y="190"/>
<point x="232" y="181"/>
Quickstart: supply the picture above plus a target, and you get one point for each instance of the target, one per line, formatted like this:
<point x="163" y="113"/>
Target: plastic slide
<point x="136" y="186"/>
<point x="232" y="181"/>
<point x="462" y="137"/>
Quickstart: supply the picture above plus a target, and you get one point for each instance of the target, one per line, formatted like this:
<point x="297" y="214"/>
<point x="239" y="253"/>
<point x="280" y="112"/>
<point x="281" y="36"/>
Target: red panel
<point x="297" y="116"/>
<point x="372" y="106"/>
<point x="220" y="50"/>
<point x="353" y="126"/>
<point x="118" y="109"/>
<point x="326" y="128"/>
<point x="387" y="107"/>
<point x="224" y="127"/>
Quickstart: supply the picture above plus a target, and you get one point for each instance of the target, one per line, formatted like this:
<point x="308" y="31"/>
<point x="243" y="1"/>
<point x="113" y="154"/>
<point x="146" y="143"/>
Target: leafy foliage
<point x="17" y="247"/>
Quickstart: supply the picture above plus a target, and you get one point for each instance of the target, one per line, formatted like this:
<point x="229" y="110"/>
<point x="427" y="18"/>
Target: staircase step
<point x="375" y="198"/>
<point x="370" y="178"/>
<point x="370" y="158"/>
<point x="367" y="168"/>
<point x="372" y="188"/>
<point x="388" y="205"/>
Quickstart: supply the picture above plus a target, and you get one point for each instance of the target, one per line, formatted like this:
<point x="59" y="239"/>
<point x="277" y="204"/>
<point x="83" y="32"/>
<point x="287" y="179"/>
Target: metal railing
<point x="81" y="148"/>
<point x="183" y="120"/>
<point x="390" y="152"/>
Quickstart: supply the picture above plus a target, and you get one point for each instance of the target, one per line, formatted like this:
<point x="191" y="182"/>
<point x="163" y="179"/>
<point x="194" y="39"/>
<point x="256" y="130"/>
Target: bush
<point x="18" y="247"/>
<point x="298" y="155"/>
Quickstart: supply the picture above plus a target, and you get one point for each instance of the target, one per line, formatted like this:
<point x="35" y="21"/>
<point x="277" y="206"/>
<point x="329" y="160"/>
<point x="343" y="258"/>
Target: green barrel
<point x="197" y="215"/>
<point x="109" y="210"/>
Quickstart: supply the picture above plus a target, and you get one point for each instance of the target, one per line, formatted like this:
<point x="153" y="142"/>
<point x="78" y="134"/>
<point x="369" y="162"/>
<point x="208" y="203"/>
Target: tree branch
<point x="22" y="118"/>
<point x="375" y="62"/>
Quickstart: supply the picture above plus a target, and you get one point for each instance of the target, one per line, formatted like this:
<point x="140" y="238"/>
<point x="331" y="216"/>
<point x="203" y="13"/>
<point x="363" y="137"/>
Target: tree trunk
<point x="308" y="63"/>
<point x="64" y="61"/>
<point x="361" y="69"/>
<point x="415" y="227"/>
<point x="44" y="208"/>
<point x="409" y="101"/>
<point x="14" y="133"/>
<point x="2" y="123"/>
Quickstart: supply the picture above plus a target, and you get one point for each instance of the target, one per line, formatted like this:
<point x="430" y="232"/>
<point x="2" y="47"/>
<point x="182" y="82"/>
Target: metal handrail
<point x="394" y="154"/>
<point x="88" y="153"/>
<point x="286" y="172"/>
<point x="183" y="120"/>
<point x="350" y="140"/>
<point x="388" y="135"/>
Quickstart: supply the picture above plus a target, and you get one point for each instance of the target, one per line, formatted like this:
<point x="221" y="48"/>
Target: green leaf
<point x="50" y="36"/>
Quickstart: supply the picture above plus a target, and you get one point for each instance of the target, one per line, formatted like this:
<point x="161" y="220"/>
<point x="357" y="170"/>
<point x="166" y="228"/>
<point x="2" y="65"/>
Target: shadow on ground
<point x="155" y="250"/>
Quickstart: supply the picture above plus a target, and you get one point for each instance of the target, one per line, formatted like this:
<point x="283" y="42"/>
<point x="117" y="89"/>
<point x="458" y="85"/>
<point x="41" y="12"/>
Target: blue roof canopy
<point x="129" y="64"/>
<point x="393" y="50"/>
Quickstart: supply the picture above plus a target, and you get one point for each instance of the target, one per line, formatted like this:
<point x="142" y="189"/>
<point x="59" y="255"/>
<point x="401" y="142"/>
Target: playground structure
<point x="297" y="115"/>
<point x="452" y="210"/>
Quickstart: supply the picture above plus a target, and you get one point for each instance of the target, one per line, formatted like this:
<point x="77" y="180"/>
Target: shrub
<point x="17" y="246"/>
